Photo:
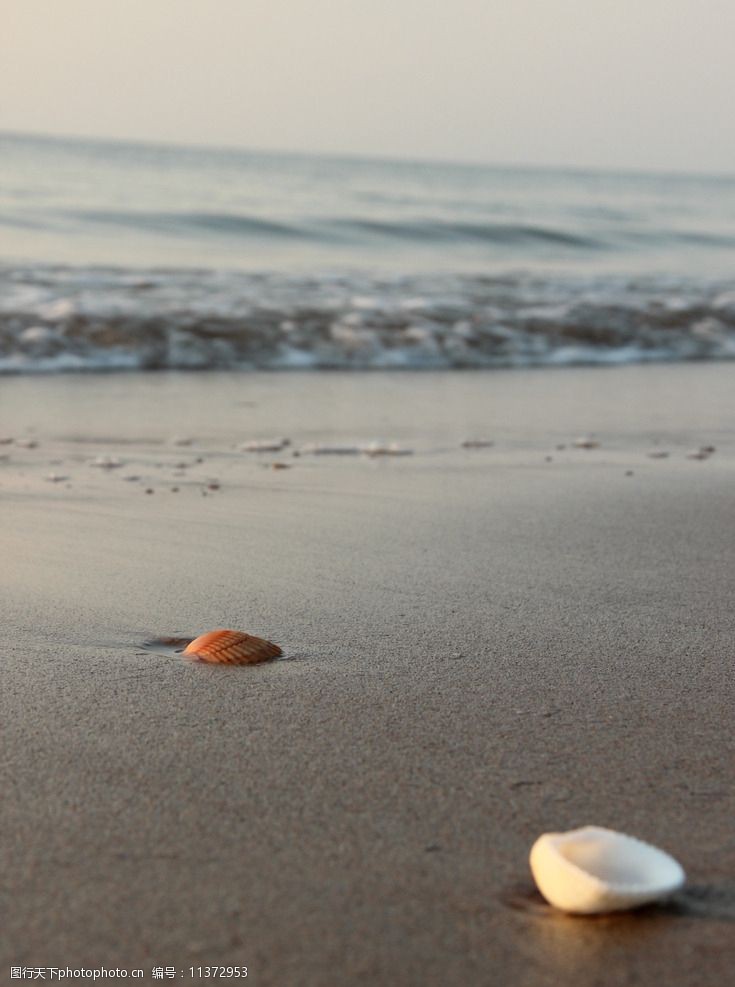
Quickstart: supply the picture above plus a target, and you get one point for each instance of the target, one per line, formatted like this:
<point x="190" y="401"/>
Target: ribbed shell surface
<point x="226" y="647"/>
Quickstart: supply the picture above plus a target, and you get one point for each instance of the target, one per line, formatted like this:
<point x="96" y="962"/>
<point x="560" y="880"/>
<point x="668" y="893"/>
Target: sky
<point x="642" y="84"/>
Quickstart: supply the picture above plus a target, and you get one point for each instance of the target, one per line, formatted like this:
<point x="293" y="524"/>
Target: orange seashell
<point x="227" y="647"/>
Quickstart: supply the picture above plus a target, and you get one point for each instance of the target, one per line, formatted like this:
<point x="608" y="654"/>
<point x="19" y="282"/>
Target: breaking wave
<point x="55" y="318"/>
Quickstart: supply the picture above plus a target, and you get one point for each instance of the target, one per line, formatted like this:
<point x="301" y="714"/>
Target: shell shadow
<point x="694" y="901"/>
<point x="169" y="646"/>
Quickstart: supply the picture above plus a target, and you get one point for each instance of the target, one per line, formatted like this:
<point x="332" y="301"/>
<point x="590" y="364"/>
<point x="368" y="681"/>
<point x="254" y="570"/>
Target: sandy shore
<point x="483" y="645"/>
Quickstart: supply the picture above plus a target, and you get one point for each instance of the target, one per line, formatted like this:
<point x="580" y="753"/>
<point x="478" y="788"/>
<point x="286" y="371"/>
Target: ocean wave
<point x="354" y="229"/>
<point x="187" y="222"/>
<point x="72" y="319"/>
<point x="502" y="234"/>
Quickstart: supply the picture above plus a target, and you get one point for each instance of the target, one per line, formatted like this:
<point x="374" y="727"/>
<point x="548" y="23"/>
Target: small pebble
<point x="149" y="490"/>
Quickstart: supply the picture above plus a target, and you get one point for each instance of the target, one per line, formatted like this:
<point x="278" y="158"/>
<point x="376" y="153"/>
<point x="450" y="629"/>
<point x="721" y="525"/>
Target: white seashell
<point x="106" y="462"/>
<point x="591" y="870"/>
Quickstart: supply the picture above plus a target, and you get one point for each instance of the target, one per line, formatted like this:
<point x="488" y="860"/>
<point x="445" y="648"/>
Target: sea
<point x="119" y="256"/>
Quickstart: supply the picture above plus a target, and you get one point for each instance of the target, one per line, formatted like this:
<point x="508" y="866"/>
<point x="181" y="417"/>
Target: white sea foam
<point x="67" y="319"/>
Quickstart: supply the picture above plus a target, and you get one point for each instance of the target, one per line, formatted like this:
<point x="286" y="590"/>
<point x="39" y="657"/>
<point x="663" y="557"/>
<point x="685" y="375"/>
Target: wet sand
<point x="481" y="645"/>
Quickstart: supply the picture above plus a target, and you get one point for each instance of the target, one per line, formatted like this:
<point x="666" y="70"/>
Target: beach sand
<point x="481" y="645"/>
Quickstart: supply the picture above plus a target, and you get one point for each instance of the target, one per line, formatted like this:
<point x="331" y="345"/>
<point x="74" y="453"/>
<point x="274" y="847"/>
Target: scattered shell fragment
<point x="369" y="449"/>
<point x="593" y="870"/>
<point x="280" y="466"/>
<point x="265" y="445"/>
<point x="391" y="449"/>
<point x="181" y="440"/>
<point x="26" y="443"/>
<point x="106" y="462"/>
<point x="56" y="478"/>
<point x="658" y="454"/>
<point x="226" y="647"/>
<point x="586" y="442"/>
<point x="477" y="444"/>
